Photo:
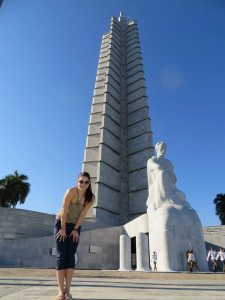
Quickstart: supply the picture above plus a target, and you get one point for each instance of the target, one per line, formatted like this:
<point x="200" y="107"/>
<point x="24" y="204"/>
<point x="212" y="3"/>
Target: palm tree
<point x="219" y="202"/>
<point x="4" y="197"/>
<point x="13" y="189"/>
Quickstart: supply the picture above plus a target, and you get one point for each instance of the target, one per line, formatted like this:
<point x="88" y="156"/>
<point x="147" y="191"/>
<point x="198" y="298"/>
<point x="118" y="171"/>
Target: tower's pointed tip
<point x="122" y="14"/>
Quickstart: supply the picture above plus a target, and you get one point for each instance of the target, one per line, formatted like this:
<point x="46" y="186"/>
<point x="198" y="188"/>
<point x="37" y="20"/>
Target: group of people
<point x="192" y="263"/>
<point x="215" y="256"/>
<point x="212" y="256"/>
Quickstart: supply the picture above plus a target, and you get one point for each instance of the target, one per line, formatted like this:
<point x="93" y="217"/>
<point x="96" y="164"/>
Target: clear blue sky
<point x="48" y="58"/>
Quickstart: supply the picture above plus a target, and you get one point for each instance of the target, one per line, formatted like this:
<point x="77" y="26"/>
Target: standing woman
<point x="76" y="204"/>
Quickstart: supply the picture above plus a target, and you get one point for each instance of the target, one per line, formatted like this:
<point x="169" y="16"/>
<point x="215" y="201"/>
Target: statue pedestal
<point x="174" y="229"/>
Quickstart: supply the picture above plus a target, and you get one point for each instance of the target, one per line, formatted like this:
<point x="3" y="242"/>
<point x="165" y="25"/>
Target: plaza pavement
<point x="31" y="284"/>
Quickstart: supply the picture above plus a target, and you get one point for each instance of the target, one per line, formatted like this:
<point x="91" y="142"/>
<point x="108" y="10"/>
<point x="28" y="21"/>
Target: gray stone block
<point x="111" y="125"/>
<point x="113" y="82"/>
<point x="111" y="111"/>
<point x="103" y="59"/>
<point x="91" y="168"/>
<point x="108" y="217"/>
<point x="96" y="117"/>
<point x="133" y="58"/>
<point x="9" y="236"/>
<point x="114" y="51"/>
<point x="113" y="91"/>
<point x="109" y="176"/>
<point x="97" y="108"/>
<point x="132" y="42"/>
<point x="101" y="77"/>
<point x="138" y="160"/>
<point x="94" y="128"/>
<point x="113" y="102"/>
<point x="132" y="71"/>
<point x="139" y="197"/>
<point x="101" y="71"/>
<point x="99" y="91"/>
<point x="109" y="139"/>
<point x="138" y="115"/>
<point x="93" y="140"/>
<point x="135" y="77"/>
<point x="114" y="74"/>
<point x="114" y="67"/>
<point x="95" y="249"/>
<point x="136" y="85"/>
<point x="131" y="34"/>
<point x="91" y="154"/>
<point x="98" y="99"/>
<point x="115" y="33"/>
<point x="100" y="84"/>
<point x="138" y="128"/>
<point x="134" y="52"/>
<point x="133" y="64"/>
<point x="141" y="92"/>
<point x="109" y="156"/>
<point x="115" y="61"/>
<point x="138" y="180"/>
<point x="137" y="104"/>
<point x="113" y="204"/>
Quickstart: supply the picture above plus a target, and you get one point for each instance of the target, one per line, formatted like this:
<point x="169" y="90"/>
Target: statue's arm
<point x="151" y="178"/>
<point x="150" y="171"/>
<point x="171" y="172"/>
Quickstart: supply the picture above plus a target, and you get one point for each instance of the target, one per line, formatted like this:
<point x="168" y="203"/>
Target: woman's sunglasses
<point x="85" y="182"/>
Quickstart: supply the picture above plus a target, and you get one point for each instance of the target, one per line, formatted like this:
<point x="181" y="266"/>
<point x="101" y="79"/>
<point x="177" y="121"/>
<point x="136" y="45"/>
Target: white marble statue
<point x="174" y="227"/>
<point x="161" y="181"/>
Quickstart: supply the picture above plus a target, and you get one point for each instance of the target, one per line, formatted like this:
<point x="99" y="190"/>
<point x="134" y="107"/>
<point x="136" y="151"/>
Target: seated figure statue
<point x="174" y="226"/>
<point x="161" y="181"/>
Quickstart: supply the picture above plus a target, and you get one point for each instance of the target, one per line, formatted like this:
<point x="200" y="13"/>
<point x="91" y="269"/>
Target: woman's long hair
<point x="88" y="194"/>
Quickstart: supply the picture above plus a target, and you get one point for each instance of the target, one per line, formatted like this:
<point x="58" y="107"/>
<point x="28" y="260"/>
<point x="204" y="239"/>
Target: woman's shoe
<point x="68" y="296"/>
<point x="60" y="297"/>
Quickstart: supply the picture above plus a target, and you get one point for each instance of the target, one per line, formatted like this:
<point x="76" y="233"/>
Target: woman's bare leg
<point x="69" y="276"/>
<point x="61" y="275"/>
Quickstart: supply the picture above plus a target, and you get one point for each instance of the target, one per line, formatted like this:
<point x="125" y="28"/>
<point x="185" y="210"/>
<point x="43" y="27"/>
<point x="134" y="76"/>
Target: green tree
<point x="219" y="202"/>
<point x="14" y="189"/>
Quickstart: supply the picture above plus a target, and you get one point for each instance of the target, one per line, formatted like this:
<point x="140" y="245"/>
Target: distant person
<point x="187" y="254"/>
<point x="221" y="256"/>
<point x="212" y="255"/>
<point x="154" y="260"/>
<point x="76" y="203"/>
<point x="192" y="261"/>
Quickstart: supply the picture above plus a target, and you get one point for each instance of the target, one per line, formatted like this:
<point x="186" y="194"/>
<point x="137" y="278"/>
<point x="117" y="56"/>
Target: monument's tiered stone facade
<point x="119" y="140"/>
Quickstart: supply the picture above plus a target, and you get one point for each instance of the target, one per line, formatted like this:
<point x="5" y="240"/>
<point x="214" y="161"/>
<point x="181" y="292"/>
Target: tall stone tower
<point x="119" y="139"/>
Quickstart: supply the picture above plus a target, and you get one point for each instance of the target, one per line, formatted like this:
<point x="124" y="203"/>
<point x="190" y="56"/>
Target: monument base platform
<point x="173" y="230"/>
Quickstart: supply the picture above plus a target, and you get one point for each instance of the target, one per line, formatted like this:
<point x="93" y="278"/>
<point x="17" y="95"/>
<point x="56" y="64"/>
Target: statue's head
<point x="160" y="149"/>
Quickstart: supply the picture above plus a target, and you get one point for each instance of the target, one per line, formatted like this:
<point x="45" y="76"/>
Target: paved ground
<point x="31" y="284"/>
